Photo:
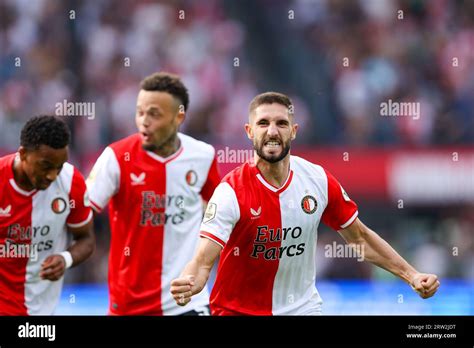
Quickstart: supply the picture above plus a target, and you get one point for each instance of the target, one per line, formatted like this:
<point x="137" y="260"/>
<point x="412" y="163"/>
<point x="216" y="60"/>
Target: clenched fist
<point x="424" y="284"/>
<point x="182" y="289"/>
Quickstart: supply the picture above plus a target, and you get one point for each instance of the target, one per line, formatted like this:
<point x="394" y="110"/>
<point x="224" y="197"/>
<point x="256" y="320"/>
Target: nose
<point x="272" y="130"/>
<point x="52" y="175"/>
<point x="145" y="121"/>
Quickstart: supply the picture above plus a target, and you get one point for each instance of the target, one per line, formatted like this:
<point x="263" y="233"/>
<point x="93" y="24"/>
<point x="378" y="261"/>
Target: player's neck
<point x="274" y="173"/>
<point x="20" y="176"/>
<point x="169" y="148"/>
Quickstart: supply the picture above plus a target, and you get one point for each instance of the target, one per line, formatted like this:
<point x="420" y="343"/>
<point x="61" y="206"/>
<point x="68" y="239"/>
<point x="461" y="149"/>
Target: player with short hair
<point x="42" y="198"/>
<point x="156" y="181"/>
<point x="262" y="220"/>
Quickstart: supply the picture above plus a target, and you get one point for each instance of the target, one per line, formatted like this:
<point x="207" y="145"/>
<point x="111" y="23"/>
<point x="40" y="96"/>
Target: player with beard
<point x="262" y="220"/>
<point x="156" y="181"/>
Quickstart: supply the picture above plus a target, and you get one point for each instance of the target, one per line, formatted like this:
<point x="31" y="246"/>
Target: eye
<point x="45" y="168"/>
<point x="153" y="113"/>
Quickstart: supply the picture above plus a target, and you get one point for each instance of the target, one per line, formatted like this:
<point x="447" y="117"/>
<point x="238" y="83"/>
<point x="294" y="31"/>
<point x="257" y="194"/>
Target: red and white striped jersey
<point x="268" y="234"/>
<point x="155" y="212"/>
<point x="33" y="225"/>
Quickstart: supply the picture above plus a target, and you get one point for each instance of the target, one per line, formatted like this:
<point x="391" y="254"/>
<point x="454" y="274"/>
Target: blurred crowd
<point x="337" y="59"/>
<point x="371" y="51"/>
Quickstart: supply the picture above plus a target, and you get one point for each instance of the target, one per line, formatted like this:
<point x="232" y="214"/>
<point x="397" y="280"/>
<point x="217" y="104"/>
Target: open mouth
<point x="272" y="144"/>
<point x="145" y="136"/>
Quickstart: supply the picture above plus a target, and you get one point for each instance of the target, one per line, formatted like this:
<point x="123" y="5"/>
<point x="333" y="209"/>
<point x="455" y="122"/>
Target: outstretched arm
<point x="196" y="273"/>
<point x="380" y="253"/>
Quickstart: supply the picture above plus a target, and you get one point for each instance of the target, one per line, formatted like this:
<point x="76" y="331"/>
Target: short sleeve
<point x="104" y="178"/>
<point x="341" y="211"/>
<point x="213" y="179"/>
<point x="81" y="212"/>
<point x="221" y="215"/>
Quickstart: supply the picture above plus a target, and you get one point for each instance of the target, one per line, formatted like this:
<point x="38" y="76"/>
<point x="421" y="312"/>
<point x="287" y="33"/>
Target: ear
<point x="22" y="151"/>
<point x="180" y="117"/>
<point x="294" y="131"/>
<point x="249" y="131"/>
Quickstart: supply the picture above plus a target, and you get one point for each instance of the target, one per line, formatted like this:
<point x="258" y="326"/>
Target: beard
<point x="272" y="158"/>
<point x="149" y="147"/>
<point x="153" y="147"/>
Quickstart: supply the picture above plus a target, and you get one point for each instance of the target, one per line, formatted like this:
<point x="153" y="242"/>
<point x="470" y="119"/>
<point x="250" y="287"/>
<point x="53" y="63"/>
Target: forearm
<point x="199" y="271"/>
<point x="380" y="253"/>
<point x="196" y="273"/>
<point x="377" y="251"/>
<point x="82" y="249"/>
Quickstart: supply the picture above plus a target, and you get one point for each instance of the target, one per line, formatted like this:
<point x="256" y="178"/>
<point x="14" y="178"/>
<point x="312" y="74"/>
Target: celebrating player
<point x="42" y="198"/>
<point x="156" y="181"/>
<point x="262" y="220"/>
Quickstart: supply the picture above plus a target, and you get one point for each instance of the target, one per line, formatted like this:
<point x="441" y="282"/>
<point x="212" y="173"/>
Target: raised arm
<point x="380" y="253"/>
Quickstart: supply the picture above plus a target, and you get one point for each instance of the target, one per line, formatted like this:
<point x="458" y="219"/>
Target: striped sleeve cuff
<point x="83" y="223"/>
<point x="351" y="220"/>
<point x="96" y="207"/>
<point x="212" y="237"/>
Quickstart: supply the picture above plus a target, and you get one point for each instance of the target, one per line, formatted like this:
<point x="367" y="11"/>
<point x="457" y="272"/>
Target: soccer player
<point x="42" y="198"/>
<point x="156" y="181"/>
<point x="262" y="220"/>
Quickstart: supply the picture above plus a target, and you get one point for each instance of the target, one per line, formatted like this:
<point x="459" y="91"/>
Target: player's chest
<point x="292" y="214"/>
<point x="151" y="183"/>
<point x="37" y="216"/>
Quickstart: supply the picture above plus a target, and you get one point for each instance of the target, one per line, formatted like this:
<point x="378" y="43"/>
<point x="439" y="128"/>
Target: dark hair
<point x="166" y="82"/>
<point x="45" y="130"/>
<point x="270" y="98"/>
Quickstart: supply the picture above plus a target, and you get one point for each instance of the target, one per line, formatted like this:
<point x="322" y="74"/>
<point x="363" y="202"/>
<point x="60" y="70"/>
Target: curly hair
<point x="166" y="82"/>
<point x="45" y="130"/>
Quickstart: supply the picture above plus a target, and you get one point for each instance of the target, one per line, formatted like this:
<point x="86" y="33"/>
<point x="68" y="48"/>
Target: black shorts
<point x="198" y="311"/>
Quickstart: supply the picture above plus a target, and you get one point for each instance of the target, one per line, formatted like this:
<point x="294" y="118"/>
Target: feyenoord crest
<point x="309" y="204"/>
<point x="58" y="205"/>
<point x="191" y="177"/>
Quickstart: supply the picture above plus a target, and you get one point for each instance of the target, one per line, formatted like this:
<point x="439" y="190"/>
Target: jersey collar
<point x="269" y="186"/>
<point x="165" y="159"/>
<point x="171" y="157"/>
<point x="13" y="182"/>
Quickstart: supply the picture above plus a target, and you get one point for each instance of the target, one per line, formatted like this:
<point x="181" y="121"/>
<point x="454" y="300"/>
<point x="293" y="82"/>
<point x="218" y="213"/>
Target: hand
<point x="181" y="289"/>
<point x="424" y="284"/>
<point x="53" y="267"/>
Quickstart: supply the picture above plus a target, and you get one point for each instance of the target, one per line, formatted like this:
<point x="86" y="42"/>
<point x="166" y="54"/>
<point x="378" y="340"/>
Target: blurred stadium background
<point x="412" y="178"/>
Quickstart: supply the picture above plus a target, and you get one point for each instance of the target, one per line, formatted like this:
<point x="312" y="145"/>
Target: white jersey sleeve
<point x="221" y="215"/>
<point x="104" y="180"/>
